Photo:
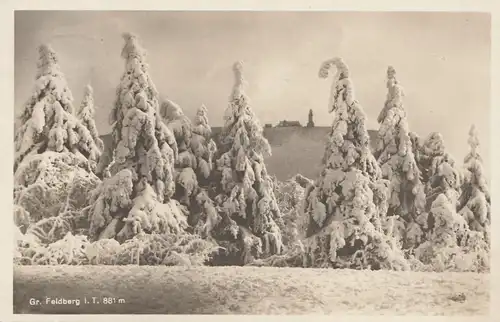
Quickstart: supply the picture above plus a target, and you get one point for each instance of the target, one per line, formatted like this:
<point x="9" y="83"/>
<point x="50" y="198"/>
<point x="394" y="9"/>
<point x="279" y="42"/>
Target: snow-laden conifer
<point x="248" y="207"/>
<point x="451" y="245"/>
<point x="475" y="204"/>
<point x="204" y="149"/>
<point x="346" y="205"/>
<point x="203" y="146"/>
<point x="47" y="122"/>
<point x="184" y="175"/>
<point x="138" y="197"/>
<point x="433" y="156"/>
<point x="86" y="115"/>
<point x="395" y="155"/>
<point x="202" y="213"/>
<point x="55" y="155"/>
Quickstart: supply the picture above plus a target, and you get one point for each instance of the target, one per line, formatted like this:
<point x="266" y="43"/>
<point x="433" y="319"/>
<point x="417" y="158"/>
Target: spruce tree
<point x="203" y="146"/>
<point x="451" y="244"/>
<point x="138" y="197"/>
<point x="47" y="122"/>
<point x="396" y="157"/>
<point x="204" y="149"/>
<point x="249" y="212"/>
<point x="86" y="115"/>
<point x="181" y="127"/>
<point x="192" y="147"/>
<point x="346" y="205"/>
<point x="433" y="155"/>
<point x="55" y="155"/>
<point x="475" y="202"/>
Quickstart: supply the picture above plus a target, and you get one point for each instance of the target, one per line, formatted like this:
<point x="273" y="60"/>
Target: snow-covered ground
<point x="248" y="290"/>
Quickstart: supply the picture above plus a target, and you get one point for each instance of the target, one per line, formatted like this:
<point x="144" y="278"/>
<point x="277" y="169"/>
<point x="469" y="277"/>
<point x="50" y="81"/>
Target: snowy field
<point x="248" y="290"/>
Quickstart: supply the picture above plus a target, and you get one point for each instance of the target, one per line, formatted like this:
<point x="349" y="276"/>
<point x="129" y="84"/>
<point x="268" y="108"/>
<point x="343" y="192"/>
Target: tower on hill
<point x="310" y="122"/>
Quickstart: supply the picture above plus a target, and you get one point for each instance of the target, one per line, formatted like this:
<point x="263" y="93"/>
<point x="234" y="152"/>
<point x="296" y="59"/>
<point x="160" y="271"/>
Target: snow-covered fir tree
<point x="289" y="195"/>
<point x="395" y="155"/>
<point x="202" y="212"/>
<point x="346" y="205"/>
<point x="138" y="196"/>
<point x="195" y="145"/>
<point x="248" y="210"/>
<point x="204" y="149"/>
<point x="55" y="155"/>
<point x="451" y="245"/>
<point x="203" y="146"/>
<point x="475" y="203"/>
<point x="86" y="115"/>
<point x="47" y="122"/>
<point x="433" y="155"/>
<point x="184" y="175"/>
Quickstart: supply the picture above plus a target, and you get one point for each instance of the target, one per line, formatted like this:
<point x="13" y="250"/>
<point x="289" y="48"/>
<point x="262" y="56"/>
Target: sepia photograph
<point x="252" y="162"/>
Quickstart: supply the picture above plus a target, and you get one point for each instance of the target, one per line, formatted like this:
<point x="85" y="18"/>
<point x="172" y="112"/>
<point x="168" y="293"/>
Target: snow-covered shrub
<point x="245" y="197"/>
<point x="70" y="250"/>
<point x="142" y="249"/>
<point x="166" y="249"/>
<point x="138" y="196"/>
<point x="25" y="247"/>
<point x="54" y="188"/>
<point x="475" y="204"/>
<point x="345" y="207"/>
<point x="47" y="122"/>
<point x="103" y="252"/>
<point x="52" y="229"/>
<point x="395" y="155"/>
<point x="475" y="255"/>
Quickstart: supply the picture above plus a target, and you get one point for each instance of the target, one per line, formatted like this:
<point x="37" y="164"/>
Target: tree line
<point x="167" y="194"/>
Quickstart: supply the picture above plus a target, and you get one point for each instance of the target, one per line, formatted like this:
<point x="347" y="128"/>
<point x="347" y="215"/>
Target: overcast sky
<point x="442" y="61"/>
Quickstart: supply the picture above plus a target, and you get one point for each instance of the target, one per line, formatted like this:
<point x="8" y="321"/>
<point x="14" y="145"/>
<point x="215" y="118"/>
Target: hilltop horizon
<point x="294" y="149"/>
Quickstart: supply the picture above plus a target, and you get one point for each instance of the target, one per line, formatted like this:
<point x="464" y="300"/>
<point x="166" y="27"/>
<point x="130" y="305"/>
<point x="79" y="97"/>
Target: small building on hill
<point x="286" y="123"/>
